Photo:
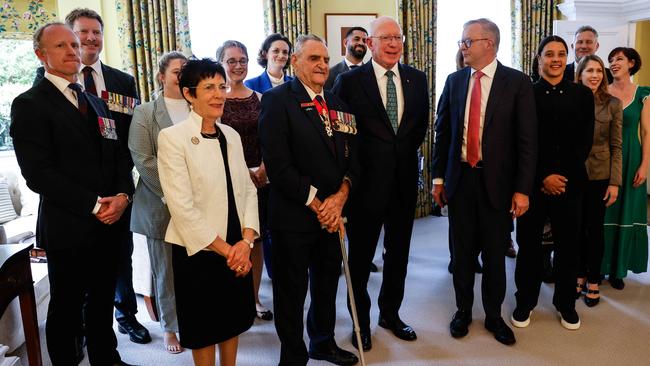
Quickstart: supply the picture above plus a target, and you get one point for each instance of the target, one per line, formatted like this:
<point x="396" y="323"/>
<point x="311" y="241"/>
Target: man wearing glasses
<point x="391" y="103"/>
<point x="484" y="161"/>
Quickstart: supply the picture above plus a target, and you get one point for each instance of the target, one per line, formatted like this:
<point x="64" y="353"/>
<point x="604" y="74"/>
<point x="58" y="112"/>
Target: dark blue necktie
<point x="81" y="98"/>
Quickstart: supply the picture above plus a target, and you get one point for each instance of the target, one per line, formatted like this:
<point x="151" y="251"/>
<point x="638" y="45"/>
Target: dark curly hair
<point x="266" y="45"/>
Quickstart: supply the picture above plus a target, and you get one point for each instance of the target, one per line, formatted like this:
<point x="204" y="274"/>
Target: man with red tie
<point x="310" y="156"/>
<point x="484" y="166"/>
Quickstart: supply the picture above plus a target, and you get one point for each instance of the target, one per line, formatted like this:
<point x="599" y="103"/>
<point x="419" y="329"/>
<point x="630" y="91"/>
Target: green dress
<point x="626" y="235"/>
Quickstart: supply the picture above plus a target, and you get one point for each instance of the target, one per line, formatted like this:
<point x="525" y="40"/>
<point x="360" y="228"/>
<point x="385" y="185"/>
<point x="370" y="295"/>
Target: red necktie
<point x="474" y="124"/>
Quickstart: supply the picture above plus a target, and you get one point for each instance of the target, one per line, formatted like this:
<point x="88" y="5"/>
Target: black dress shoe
<point x="366" y="341"/>
<point x="397" y="326"/>
<point x="501" y="331"/>
<point x="373" y="267"/>
<point x="137" y="333"/>
<point x="333" y="354"/>
<point x="616" y="283"/>
<point x="459" y="326"/>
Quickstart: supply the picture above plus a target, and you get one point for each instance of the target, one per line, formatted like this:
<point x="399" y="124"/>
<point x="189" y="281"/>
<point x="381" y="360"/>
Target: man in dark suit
<point x="355" y="50"/>
<point x="69" y="153"/>
<point x="483" y="166"/>
<point x="391" y="103"/>
<point x="308" y="146"/>
<point x="585" y="43"/>
<point x="118" y="90"/>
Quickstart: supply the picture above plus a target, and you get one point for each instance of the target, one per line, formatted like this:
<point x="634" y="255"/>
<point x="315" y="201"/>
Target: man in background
<point x="355" y="50"/>
<point x="585" y="43"/>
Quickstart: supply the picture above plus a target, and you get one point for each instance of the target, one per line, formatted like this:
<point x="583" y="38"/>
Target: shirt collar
<point x="380" y="71"/>
<point x="350" y="63"/>
<point x="197" y="120"/>
<point x="97" y="67"/>
<point x="488" y="70"/>
<point x="59" y="82"/>
<point x="312" y="94"/>
<point x="275" y="80"/>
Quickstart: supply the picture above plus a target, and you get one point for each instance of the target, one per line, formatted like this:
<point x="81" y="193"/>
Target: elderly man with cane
<point x="309" y="150"/>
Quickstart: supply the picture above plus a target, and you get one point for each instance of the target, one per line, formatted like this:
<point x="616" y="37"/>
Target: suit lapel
<point x="407" y="93"/>
<point x="301" y="95"/>
<point x="160" y="113"/>
<point x="110" y="81"/>
<point x="498" y="86"/>
<point x="62" y="104"/>
<point x="371" y="87"/>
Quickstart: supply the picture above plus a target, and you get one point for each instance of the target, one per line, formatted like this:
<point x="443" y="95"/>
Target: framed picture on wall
<point x="337" y="25"/>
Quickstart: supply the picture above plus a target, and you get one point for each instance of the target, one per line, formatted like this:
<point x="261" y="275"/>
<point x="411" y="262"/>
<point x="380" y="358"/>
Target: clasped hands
<point x="554" y="184"/>
<point x="329" y="211"/>
<point x="111" y="209"/>
<point x="238" y="258"/>
<point x="259" y="176"/>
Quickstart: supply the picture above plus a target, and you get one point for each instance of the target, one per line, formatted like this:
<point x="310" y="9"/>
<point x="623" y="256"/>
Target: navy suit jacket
<point x="64" y="159"/>
<point x="389" y="161"/>
<point x="509" y="143"/>
<point x="298" y="154"/>
<point x="262" y="83"/>
<point x="339" y="68"/>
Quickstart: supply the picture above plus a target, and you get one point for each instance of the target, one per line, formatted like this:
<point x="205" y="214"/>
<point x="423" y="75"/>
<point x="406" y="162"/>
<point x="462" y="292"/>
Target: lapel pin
<point x="195" y="140"/>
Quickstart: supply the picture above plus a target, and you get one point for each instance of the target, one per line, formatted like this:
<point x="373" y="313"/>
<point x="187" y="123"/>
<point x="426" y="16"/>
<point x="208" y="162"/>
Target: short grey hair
<point x="585" y="28"/>
<point x="488" y="27"/>
<point x="302" y="39"/>
<point x="36" y="39"/>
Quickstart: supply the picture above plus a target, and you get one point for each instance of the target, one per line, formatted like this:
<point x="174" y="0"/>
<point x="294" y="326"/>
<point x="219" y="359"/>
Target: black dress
<point x="211" y="303"/>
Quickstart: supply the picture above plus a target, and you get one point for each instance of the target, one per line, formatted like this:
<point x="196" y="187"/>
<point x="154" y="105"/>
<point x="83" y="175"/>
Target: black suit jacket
<point x="118" y="82"/>
<point x="64" y="159"/>
<point x="570" y="72"/>
<point x="566" y="115"/>
<point x="509" y="144"/>
<point x="339" y="68"/>
<point x="298" y="154"/>
<point x="389" y="161"/>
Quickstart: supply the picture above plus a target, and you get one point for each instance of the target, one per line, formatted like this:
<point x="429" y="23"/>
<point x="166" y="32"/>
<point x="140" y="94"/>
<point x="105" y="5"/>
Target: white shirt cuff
<point x="97" y="206"/>
<point x="438" y="181"/>
<point x="312" y="194"/>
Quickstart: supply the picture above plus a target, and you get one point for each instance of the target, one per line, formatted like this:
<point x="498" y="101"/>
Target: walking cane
<point x="348" y="281"/>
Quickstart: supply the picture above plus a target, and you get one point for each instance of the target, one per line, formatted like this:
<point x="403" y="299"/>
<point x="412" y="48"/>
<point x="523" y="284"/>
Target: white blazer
<point x="193" y="179"/>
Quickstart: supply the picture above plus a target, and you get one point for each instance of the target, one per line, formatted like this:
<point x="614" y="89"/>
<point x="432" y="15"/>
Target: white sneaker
<point x="520" y="318"/>
<point x="570" y="320"/>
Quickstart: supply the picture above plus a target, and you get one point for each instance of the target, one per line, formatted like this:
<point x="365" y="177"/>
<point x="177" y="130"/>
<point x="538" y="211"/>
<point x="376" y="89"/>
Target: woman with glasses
<point x="240" y="112"/>
<point x="604" y="170"/>
<point x="150" y="214"/>
<point x="214" y="221"/>
<point x="626" y="236"/>
<point x="274" y="58"/>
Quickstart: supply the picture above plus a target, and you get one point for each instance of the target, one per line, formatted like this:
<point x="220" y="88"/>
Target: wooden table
<point x="16" y="280"/>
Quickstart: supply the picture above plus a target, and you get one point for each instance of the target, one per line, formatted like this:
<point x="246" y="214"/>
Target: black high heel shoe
<point x="580" y="289"/>
<point x="617" y="283"/>
<point x="592" y="301"/>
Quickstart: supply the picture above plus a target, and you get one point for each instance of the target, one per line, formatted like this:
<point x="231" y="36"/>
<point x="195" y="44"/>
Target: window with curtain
<point x="213" y="22"/>
<point x="452" y="14"/>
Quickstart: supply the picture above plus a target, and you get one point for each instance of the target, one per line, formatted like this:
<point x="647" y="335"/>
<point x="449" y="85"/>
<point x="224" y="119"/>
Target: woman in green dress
<point x="626" y="236"/>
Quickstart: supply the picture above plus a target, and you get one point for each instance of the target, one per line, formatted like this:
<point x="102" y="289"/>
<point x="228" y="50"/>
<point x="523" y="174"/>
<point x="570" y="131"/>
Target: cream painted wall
<point x="106" y="9"/>
<point x="319" y="8"/>
<point x="643" y="47"/>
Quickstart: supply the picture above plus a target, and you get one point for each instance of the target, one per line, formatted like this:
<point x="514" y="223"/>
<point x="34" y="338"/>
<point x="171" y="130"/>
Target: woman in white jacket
<point x="214" y="219"/>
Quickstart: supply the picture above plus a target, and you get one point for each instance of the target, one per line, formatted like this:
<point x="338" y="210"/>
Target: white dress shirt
<point x="275" y="81"/>
<point x="486" y="85"/>
<point x="350" y="63"/>
<point x="98" y="77"/>
<point x="382" y="81"/>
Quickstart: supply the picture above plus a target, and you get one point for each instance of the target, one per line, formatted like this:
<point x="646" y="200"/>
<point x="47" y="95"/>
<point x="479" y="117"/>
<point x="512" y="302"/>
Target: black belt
<point x="465" y="164"/>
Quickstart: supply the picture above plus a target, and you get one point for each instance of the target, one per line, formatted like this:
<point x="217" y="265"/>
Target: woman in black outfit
<point x="565" y="115"/>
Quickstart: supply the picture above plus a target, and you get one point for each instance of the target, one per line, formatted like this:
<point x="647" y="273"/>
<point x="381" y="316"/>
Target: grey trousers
<point x="160" y="256"/>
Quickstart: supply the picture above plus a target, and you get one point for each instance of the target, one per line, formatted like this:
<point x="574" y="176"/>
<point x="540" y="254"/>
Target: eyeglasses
<point x="211" y="88"/>
<point x="388" y="39"/>
<point x="232" y="62"/>
<point x="468" y="42"/>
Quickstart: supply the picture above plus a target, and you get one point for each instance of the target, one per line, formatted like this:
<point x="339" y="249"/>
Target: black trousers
<point x="300" y="259"/>
<point x="565" y="213"/>
<point x="475" y="223"/>
<point x="592" y="238"/>
<point x="125" y="304"/>
<point x="85" y="273"/>
<point x="363" y="232"/>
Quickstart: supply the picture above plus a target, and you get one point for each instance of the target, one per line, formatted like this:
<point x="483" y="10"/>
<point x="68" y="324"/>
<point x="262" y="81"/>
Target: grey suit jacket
<point x="339" y="68"/>
<point x="606" y="157"/>
<point x="150" y="215"/>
